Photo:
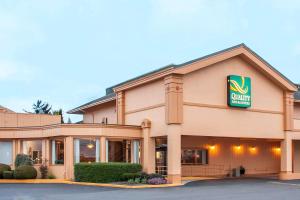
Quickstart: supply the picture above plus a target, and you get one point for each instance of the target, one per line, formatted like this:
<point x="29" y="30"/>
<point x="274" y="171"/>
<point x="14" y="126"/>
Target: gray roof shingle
<point x="105" y="98"/>
<point x="297" y="94"/>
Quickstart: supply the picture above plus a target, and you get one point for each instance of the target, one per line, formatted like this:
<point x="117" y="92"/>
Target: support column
<point x="132" y="151"/>
<point x="120" y="101"/>
<point x="103" y="149"/>
<point x="19" y="149"/>
<point x="288" y="111"/>
<point x="174" y="99"/>
<point x="286" y="170"/>
<point x="45" y="150"/>
<point x="148" y="148"/>
<point x="14" y="152"/>
<point x="174" y="153"/>
<point x="69" y="158"/>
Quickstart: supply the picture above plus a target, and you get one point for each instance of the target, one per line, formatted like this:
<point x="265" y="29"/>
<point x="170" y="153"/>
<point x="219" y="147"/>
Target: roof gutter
<point x="80" y="110"/>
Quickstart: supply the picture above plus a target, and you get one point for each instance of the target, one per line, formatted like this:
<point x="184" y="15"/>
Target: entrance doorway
<point x="119" y="151"/>
<point x="161" y="156"/>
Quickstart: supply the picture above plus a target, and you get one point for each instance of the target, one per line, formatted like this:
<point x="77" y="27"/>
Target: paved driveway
<point x="246" y="189"/>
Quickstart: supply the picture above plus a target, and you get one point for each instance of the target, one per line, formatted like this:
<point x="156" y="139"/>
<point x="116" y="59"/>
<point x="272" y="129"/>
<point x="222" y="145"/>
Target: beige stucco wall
<point x="225" y="157"/>
<point x="25" y="120"/>
<point x="296" y="153"/>
<point x="97" y="113"/>
<point x="57" y="170"/>
<point x="205" y="103"/>
<point x="297" y="111"/>
<point x="73" y="130"/>
<point x="297" y="124"/>
<point x="147" y="102"/>
<point x="144" y="96"/>
<point x="156" y="116"/>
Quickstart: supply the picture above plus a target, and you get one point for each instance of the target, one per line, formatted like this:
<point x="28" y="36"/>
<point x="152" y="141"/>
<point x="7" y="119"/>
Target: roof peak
<point x="109" y="90"/>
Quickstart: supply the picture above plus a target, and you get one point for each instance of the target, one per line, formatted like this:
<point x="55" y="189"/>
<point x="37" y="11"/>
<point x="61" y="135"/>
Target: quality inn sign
<point x="239" y="91"/>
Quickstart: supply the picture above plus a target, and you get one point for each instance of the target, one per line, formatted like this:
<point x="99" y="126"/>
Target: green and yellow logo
<point x="239" y="91"/>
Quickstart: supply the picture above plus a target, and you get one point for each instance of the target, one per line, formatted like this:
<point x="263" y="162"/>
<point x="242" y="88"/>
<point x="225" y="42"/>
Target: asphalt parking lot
<point x="244" y="189"/>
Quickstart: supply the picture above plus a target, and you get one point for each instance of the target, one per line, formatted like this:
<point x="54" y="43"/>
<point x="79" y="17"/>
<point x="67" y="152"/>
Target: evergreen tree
<point x="59" y="112"/>
<point x="41" y="107"/>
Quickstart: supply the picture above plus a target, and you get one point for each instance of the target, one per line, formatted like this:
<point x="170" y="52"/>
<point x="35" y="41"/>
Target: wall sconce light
<point x="212" y="147"/>
<point x="277" y="150"/>
<point x="253" y="149"/>
<point x="238" y="147"/>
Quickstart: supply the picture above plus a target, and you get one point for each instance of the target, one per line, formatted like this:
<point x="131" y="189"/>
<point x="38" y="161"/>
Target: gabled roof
<point x="101" y="100"/>
<point x="297" y="94"/>
<point x="187" y="67"/>
<point x="239" y="50"/>
<point x="3" y="109"/>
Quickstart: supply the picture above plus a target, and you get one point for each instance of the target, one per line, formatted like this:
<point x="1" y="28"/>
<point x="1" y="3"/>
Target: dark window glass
<point x="58" y="151"/>
<point x="87" y="150"/>
<point x="194" y="156"/>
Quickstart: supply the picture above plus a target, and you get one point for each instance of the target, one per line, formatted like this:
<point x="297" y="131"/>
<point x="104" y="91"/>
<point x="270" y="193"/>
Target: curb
<point x="55" y="181"/>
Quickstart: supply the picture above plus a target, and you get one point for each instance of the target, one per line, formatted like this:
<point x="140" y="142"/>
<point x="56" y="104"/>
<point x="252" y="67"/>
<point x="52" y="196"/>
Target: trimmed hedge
<point x="25" y="172"/>
<point x="4" y="167"/>
<point x="103" y="172"/>
<point x="23" y="159"/>
<point x="128" y="176"/>
<point x="8" y="174"/>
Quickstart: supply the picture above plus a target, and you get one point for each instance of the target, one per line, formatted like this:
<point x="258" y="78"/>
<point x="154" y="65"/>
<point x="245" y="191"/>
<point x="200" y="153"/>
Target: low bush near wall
<point x="25" y="172"/>
<point x="103" y="172"/>
<point x="23" y="159"/>
<point x="8" y="174"/>
<point x="4" y="167"/>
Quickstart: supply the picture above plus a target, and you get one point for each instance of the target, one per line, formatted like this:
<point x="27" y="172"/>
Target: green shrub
<point x="23" y="159"/>
<point x="51" y="176"/>
<point x="25" y="172"/>
<point x="8" y="174"/>
<point x="154" y="175"/>
<point x="103" y="172"/>
<point x="4" y="167"/>
<point x="127" y="176"/>
<point x="44" y="171"/>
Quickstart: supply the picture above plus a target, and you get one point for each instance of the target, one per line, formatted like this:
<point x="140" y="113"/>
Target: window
<point x="104" y="120"/>
<point x="33" y="148"/>
<point x="57" y="150"/>
<point x="86" y="150"/>
<point x="119" y="151"/>
<point x="136" y="152"/>
<point x="6" y="153"/>
<point x="194" y="156"/>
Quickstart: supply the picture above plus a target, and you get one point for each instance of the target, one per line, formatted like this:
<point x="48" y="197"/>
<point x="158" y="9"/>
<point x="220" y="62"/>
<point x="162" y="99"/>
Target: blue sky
<point x="66" y="52"/>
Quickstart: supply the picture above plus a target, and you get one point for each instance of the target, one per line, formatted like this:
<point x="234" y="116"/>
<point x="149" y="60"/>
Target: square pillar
<point x="69" y="158"/>
<point x="45" y="150"/>
<point x="103" y="149"/>
<point x="174" y="99"/>
<point x="14" y="151"/>
<point x="120" y="105"/>
<point x="148" y="148"/>
<point x="286" y="167"/>
<point x="288" y="111"/>
<point x="174" y="153"/>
